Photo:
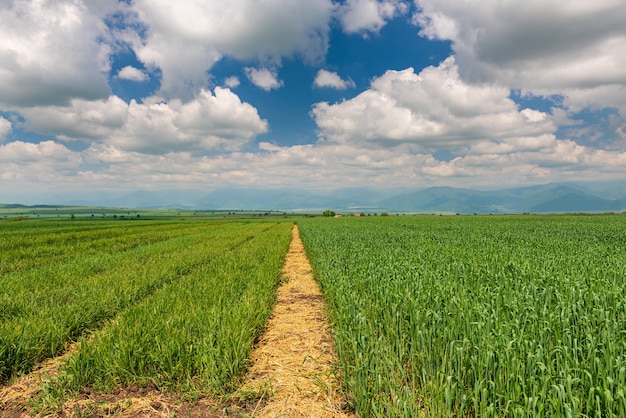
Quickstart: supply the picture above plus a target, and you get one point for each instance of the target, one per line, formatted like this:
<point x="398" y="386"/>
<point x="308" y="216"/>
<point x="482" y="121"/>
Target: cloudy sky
<point x="103" y="95"/>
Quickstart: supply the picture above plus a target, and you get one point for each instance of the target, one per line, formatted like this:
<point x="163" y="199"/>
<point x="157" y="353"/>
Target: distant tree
<point x="329" y="213"/>
<point x="384" y="214"/>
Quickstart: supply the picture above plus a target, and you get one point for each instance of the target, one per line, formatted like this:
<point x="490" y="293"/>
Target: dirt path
<point x="294" y="357"/>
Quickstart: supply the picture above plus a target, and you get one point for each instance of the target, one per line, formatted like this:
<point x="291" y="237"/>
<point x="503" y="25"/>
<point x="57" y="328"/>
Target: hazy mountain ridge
<point x="553" y="197"/>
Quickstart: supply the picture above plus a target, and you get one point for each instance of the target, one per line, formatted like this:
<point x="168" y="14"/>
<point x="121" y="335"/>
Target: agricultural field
<point x="482" y="316"/>
<point x="177" y="304"/>
<point x="485" y="316"/>
<point x="16" y="212"/>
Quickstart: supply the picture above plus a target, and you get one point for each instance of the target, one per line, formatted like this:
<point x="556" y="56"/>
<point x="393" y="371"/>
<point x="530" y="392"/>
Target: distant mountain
<point x="548" y="198"/>
<point x="441" y="199"/>
<point x="259" y="199"/>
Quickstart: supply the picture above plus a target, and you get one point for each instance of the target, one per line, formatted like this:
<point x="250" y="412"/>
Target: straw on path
<point x="295" y="355"/>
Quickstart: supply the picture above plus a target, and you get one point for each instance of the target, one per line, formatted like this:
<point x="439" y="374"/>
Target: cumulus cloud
<point x="263" y="78"/>
<point x="232" y="82"/>
<point x="219" y="121"/>
<point x="81" y="119"/>
<point x="51" y="52"/>
<point x="55" y="60"/>
<point x="132" y="74"/>
<point x="22" y="152"/>
<point x="573" y="48"/>
<point x="186" y="39"/>
<point x="211" y="121"/>
<point x="313" y="166"/>
<point x="434" y="109"/>
<point x="368" y="15"/>
<point x="326" y="78"/>
<point x="5" y="128"/>
<point x="27" y="168"/>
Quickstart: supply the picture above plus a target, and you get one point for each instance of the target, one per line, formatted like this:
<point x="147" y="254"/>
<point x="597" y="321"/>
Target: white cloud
<point x="312" y="166"/>
<point x="186" y="39"/>
<point x="368" y="15"/>
<point x="431" y="110"/>
<point x="219" y="121"/>
<point x="232" y="82"/>
<point x="22" y="152"/>
<point x="5" y="128"/>
<point x="50" y="52"/>
<point x="132" y="74"/>
<point x="263" y="78"/>
<point x="574" y="48"/>
<point x="27" y="169"/>
<point x="81" y="119"/>
<point x="326" y="78"/>
<point x="209" y="122"/>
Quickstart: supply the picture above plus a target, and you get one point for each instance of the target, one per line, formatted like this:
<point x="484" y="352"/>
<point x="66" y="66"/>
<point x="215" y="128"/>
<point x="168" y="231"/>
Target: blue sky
<point x="102" y="97"/>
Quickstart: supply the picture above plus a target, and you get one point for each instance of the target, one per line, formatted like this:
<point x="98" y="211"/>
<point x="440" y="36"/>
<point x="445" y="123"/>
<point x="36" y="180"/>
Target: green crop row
<point x="477" y="316"/>
<point x="33" y="244"/>
<point x="45" y="306"/>
<point x="193" y="334"/>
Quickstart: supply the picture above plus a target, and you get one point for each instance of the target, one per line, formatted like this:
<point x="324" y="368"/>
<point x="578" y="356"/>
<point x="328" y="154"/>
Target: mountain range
<point x="547" y="198"/>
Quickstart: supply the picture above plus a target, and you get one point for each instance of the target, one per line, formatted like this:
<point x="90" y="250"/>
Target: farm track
<point x="291" y="373"/>
<point x="293" y="361"/>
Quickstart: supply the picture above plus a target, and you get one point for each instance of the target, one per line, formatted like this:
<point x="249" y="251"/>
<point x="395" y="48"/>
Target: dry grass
<point x="293" y="361"/>
<point x="14" y="397"/>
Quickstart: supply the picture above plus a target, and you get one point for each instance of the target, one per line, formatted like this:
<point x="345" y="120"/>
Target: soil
<point x="292" y="372"/>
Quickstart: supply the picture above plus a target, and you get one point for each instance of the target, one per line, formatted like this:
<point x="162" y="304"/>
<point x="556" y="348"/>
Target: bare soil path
<point x="295" y="356"/>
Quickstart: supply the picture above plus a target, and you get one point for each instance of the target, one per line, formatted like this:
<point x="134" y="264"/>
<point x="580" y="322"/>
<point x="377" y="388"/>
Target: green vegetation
<point x="187" y="297"/>
<point x="481" y="316"/>
<point x="50" y="212"/>
<point x="477" y="316"/>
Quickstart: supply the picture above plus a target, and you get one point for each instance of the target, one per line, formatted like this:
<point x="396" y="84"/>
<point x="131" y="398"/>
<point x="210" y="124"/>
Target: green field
<point x="521" y="316"/>
<point x="175" y="303"/>
<point x="16" y="212"/>
<point x="485" y="316"/>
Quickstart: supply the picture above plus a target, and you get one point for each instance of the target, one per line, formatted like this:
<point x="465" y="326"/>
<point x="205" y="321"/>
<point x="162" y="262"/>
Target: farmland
<point x="178" y="304"/>
<point x="14" y="212"/>
<point x="485" y="316"/>
<point x="480" y="316"/>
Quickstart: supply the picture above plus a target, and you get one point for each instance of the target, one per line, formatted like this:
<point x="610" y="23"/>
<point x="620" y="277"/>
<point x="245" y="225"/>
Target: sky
<point x="106" y="96"/>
